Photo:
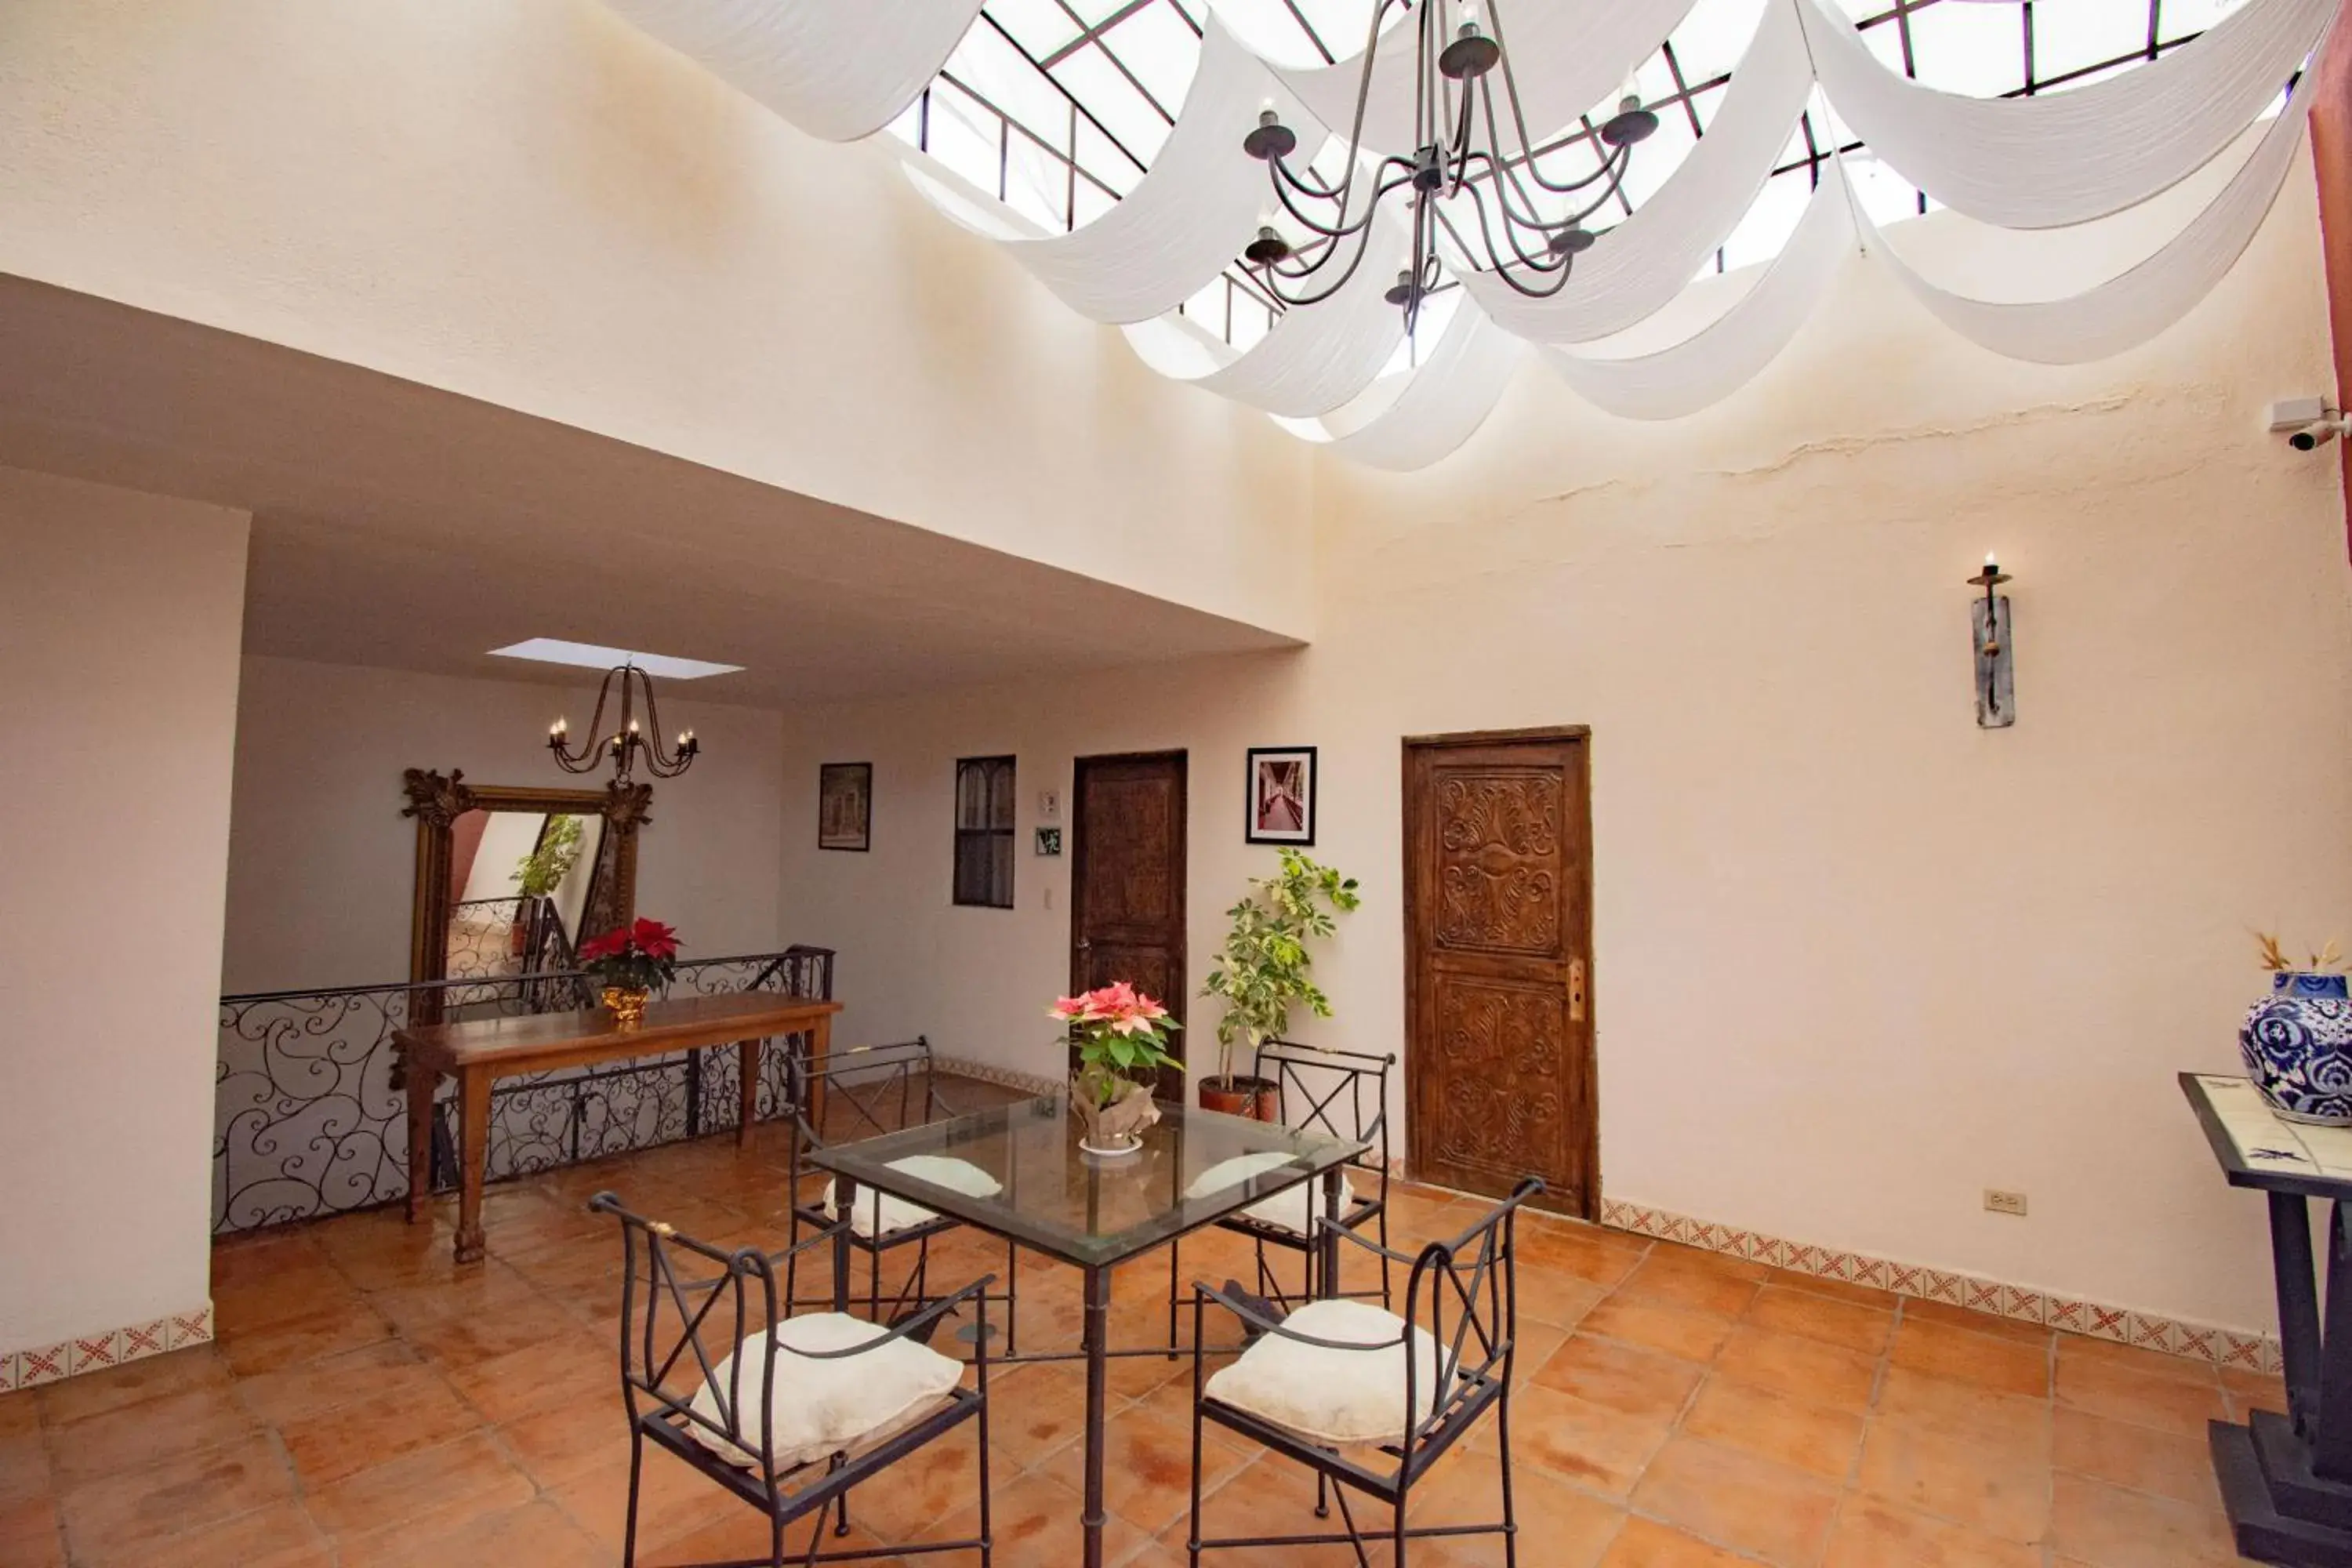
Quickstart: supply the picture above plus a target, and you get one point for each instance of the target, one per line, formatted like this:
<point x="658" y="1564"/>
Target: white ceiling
<point x="402" y="526"/>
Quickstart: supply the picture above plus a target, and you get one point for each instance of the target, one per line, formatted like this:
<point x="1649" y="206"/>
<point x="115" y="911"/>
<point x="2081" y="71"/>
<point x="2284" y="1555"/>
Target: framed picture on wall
<point x="1281" y="794"/>
<point x="844" y="805"/>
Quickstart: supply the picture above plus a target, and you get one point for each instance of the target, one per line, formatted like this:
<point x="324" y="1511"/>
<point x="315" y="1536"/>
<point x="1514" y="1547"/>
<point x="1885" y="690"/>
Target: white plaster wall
<point x="119" y="624"/>
<point x="529" y="203"/>
<point x="1856" y="960"/>
<point x="323" y="866"/>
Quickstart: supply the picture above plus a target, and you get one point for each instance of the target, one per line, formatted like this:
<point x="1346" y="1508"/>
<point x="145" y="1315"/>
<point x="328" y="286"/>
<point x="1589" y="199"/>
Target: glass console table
<point x="1091" y="1211"/>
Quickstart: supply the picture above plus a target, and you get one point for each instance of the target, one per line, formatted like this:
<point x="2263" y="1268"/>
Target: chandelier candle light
<point x="627" y="741"/>
<point x="1475" y="174"/>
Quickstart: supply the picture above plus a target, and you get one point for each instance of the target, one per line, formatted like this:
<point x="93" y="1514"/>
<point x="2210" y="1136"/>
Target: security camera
<point x="2319" y="432"/>
<point x="2307" y="422"/>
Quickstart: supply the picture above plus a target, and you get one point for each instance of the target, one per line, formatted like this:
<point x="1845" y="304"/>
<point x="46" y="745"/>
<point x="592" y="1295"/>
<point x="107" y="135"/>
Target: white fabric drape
<point x="2067" y="157"/>
<point x="1318" y="356"/>
<point x="1728" y="352"/>
<point x="1448" y="398"/>
<point x="1566" y="56"/>
<point x="1634" y="269"/>
<point x="2136" y="305"/>
<point x="1187" y="218"/>
<point x="833" y="67"/>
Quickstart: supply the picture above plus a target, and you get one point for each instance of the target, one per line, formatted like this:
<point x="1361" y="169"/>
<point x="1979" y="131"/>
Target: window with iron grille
<point x="983" y="832"/>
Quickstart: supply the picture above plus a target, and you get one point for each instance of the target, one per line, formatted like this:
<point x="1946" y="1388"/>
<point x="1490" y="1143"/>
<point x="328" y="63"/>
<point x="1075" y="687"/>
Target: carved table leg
<point x="473" y="1155"/>
<point x="746" y="1058"/>
<point x="421" y="1086"/>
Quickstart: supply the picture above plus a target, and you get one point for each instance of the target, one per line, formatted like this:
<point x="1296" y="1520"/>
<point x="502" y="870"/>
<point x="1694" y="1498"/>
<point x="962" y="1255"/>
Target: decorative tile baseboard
<point x="1027" y="1082"/>
<point x="2176" y="1336"/>
<point x="30" y="1368"/>
<point x="2201" y="1342"/>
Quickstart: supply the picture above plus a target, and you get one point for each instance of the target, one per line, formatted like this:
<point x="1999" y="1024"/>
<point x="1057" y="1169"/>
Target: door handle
<point x="1576" y="991"/>
<point x="1085" y="946"/>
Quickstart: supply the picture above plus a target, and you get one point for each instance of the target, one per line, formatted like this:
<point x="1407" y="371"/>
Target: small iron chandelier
<point x="627" y="741"/>
<point x="1460" y="152"/>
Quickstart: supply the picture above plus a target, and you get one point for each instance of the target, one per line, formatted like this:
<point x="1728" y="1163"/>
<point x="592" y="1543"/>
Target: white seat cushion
<point x="1333" y="1396"/>
<point x="1289" y="1210"/>
<point x="819" y="1407"/>
<point x="1295" y="1209"/>
<point x="879" y="1214"/>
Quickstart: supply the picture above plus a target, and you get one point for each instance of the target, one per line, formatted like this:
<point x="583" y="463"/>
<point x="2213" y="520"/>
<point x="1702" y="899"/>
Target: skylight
<point x="590" y="656"/>
<point x="1058" y="106"/>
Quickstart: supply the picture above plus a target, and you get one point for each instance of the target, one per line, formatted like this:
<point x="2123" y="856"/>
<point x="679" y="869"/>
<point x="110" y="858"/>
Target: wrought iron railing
<point x="308" y="1123"/>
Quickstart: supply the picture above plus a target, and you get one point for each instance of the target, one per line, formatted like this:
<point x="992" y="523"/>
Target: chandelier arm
<point x="1511" y="91"/>
<point x="1380" y="194"/>
<point x="1502" y="267"/>
<point x="1363" y="243"/>
<point x="1512" y="223"/>
<point x="587" y="757"/>
<point x="663" y="767"/>
<point x="1363" y="98"/>
<point x="1531" y="159"/>
<point x="1307" y="184"/>
<point x="1506" y="186"/>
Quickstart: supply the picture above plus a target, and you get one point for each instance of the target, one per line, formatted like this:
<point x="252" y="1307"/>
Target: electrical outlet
<point x="1999" y="1201"/>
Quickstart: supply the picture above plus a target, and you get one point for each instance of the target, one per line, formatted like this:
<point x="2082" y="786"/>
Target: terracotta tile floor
<point x="368" y="1402"/>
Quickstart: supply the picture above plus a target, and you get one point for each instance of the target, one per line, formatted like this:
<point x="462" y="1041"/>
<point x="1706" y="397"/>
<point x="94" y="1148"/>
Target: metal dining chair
<point x="1337" y="1381"/>
<point x="1342" y="1094"/>
<point x="788" y="1413"/>
<point x="863" y="1091"/>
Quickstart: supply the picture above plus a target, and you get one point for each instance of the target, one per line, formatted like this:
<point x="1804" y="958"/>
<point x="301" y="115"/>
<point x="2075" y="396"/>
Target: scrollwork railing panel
<point x="308" y="1123"/>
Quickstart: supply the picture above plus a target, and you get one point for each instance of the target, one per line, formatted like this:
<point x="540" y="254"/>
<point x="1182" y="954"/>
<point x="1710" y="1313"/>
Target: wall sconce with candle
<point x="1996" y="691"/>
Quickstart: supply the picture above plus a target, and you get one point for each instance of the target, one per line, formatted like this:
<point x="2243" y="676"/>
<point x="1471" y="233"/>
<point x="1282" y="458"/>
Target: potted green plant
<point x="1265" y="970"/>
<point x="1120" y="1034"/>
<point x="542" y="871"/>
<point x="539" y="873"/>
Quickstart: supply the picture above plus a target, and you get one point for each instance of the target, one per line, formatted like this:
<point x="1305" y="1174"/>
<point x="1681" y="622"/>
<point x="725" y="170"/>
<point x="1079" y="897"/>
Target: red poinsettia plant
<point x="635" y="957"/>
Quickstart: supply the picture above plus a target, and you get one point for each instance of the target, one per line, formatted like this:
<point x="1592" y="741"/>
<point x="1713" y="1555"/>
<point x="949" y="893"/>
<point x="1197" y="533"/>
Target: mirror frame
<point x="437" y="801"/>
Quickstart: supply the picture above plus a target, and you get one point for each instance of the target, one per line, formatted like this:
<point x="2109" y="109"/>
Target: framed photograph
<point x="1281" y="794"/>
<point x="844" y="805"/>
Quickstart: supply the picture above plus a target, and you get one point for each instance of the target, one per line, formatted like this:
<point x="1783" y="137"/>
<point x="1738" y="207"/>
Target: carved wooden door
<point x="1500" y="1063"/>
<point x="1127" y="882"/>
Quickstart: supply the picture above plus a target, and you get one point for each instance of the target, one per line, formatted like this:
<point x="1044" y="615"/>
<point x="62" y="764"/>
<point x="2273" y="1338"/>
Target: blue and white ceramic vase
<point x="2297" y="1045"/>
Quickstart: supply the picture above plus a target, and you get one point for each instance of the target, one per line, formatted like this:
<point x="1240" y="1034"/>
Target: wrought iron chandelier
<point x="1461" y="164"/>
<point x="627" y="741"/>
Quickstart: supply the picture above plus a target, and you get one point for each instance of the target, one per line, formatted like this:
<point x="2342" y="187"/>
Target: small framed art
<point x="1281" y="794"/>
<point x="844" y="805"/>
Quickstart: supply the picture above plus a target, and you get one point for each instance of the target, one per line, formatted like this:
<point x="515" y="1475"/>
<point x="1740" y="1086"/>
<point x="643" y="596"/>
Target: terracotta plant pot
<point x="1256" y="1098"/>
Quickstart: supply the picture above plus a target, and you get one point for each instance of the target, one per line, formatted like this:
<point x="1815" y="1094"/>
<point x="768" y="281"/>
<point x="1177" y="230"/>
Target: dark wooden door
<point x="1127" y="882"/>
<point x="1499" y="934"/>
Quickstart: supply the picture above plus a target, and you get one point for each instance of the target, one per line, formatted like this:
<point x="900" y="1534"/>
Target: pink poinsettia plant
<point x="635" y="957"/>
<point x="1119" y="1033"/>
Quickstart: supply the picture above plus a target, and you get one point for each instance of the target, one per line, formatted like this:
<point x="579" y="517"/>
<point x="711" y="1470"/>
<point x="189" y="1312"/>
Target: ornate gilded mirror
<point x="509" y="881"/>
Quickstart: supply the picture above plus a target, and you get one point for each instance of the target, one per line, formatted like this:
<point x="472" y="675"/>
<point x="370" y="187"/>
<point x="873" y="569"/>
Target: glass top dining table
<point x="1088" y="1210"/>
<point x="1092" y="1210"/>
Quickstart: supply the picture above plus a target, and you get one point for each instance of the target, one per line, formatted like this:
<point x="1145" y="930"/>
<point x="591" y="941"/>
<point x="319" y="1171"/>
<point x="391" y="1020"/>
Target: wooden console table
<point x="2286" y="1480"/>
<point x="479" y="1052"/>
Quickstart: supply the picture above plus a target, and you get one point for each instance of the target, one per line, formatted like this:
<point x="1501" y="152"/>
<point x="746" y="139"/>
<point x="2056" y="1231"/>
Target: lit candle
<point x="557" y="728"/>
